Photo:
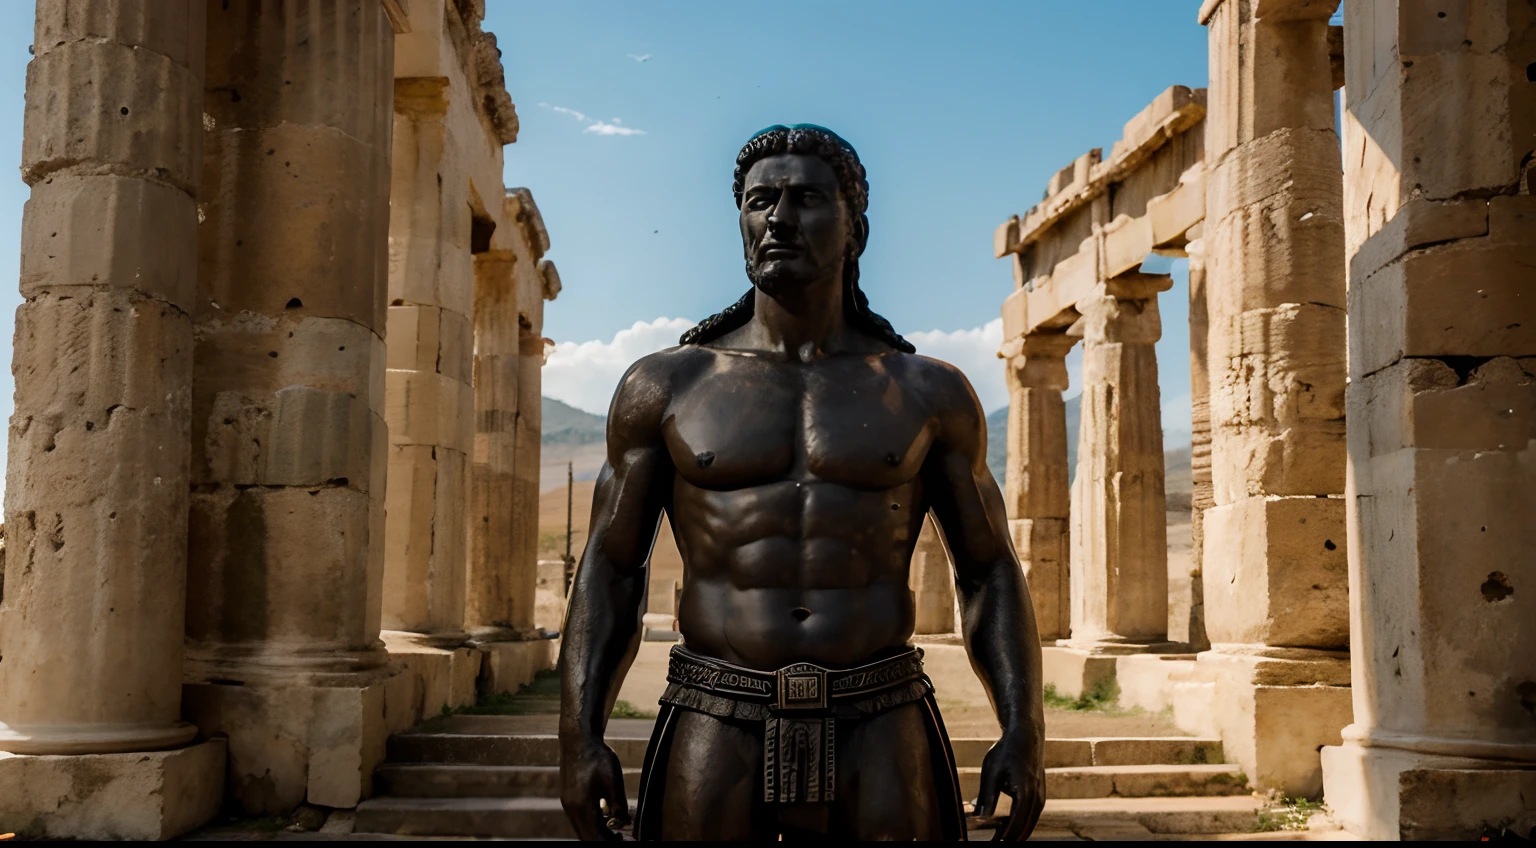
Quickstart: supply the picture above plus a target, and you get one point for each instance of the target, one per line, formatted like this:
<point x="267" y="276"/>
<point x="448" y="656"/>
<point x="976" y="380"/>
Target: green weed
<point x="1103" y="697"/>
<point x="1287" y="814"/>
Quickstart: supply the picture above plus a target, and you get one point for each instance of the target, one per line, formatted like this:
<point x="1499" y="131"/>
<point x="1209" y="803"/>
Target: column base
<point x="1273" y="709"/>
<point x="508" y="666"/>
<point x="443" y="672"/>
<point x="73" y="739"/>
<point x="1390" y="793"/>
<point x="156" y="795"/>
<point x="304" y="742"/>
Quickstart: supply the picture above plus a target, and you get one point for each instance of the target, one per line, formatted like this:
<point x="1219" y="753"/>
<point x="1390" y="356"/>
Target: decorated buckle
<point x="802" y="687"/>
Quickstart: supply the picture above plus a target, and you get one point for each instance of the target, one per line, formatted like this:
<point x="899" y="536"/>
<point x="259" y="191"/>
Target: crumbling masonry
<point x="268" y="265"/>
<point x="1363" y="497"/>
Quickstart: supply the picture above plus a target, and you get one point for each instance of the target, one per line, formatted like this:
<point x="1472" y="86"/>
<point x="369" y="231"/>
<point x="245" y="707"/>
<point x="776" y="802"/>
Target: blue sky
<point x="960" y="112"/>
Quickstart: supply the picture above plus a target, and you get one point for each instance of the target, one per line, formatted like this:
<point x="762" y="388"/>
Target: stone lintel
<point x="1175" y="111"/>
<point x="518" y="206"/>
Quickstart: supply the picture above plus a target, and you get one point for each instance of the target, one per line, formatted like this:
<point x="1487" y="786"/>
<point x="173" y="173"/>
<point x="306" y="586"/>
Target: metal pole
<point x="570" y="487"/>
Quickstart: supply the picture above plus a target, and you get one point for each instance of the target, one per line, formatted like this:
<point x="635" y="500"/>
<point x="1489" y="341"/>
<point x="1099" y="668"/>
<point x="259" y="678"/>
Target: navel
<point x="800" y="613"/>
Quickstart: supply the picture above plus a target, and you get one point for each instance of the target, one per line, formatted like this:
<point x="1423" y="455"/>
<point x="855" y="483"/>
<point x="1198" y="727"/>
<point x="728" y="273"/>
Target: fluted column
<point x="94" y="588"/>
<point x="1273" y="550"/>
<point x="288" y="433"/>
<point x="499" y="592"/>
<point x="1036" y="489"/>
<point x="528" y="438"/>
<point x="1119" y="557"/>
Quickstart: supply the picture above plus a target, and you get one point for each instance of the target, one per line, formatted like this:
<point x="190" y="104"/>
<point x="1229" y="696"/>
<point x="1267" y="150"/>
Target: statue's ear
<point x="860" y="235"/>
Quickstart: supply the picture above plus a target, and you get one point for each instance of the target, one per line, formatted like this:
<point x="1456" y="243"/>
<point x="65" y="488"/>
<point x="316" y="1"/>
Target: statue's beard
<point x="778" y="278"/>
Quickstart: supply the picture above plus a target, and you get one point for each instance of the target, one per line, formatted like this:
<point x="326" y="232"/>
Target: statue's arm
<point x="998" y="619"/>
<point x="602" y="627"/>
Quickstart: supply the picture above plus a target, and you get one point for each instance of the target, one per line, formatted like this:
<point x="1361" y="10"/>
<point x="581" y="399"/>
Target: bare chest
<point x="756" y="422"/>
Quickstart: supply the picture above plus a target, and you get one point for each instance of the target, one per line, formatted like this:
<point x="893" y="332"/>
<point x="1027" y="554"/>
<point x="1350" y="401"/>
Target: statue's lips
<point x="779" y="251"/>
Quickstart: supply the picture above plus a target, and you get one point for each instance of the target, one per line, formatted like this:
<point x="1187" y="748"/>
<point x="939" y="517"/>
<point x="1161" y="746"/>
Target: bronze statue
<point x="797" y="442"/>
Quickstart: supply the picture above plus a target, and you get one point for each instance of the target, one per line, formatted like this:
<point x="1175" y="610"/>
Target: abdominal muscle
<point x="765" y="586"/>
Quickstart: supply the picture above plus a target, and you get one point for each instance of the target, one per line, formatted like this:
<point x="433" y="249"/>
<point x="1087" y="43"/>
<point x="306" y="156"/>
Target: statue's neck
<point x="803" y="324"/>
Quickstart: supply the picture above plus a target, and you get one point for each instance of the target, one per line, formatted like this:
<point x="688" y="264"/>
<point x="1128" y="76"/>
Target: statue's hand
<point x="589" y="774"/>
<point x="1016" y="766"/>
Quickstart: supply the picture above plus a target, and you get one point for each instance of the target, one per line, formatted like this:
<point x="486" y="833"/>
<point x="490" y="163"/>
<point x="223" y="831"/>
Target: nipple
<point x="800" y="613"/>
<point x="705" y="458"/>
<point x="892" y="460"/>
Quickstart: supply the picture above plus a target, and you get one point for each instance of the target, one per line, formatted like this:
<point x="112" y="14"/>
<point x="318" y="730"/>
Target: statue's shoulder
<point x="646" y="389"/>
<point x="943" y="387"/>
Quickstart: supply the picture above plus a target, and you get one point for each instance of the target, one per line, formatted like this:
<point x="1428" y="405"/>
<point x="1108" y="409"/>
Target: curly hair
<point x="829" y="147"/>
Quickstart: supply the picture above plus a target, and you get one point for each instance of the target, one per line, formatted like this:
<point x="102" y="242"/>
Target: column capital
<point x="1107" y="319"/>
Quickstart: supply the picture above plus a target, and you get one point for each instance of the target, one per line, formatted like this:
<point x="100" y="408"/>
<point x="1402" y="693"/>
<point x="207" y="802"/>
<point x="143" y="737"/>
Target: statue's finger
<point x="1018" y="825"/>
<point x="986" y="796"/>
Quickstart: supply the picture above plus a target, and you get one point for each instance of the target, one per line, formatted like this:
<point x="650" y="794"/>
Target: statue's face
<point x="794" y="223"/>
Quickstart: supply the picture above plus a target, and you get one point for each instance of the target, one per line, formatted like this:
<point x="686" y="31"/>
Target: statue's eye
<point x="759" y="203"/>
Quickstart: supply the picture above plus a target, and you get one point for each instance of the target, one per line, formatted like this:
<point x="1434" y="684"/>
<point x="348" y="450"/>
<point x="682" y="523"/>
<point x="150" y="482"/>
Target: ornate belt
<point x="800" y="727"/>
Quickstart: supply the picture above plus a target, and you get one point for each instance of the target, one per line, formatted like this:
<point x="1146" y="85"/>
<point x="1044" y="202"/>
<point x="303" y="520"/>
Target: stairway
<point x="498" y="776"/>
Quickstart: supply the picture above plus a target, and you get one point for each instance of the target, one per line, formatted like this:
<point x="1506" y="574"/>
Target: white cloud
<point x="595" y="126"/>
<point x="604" y="128"/>
<point x="584" y="374"/>
<point x="974" y="352"/>
<point x="642" y="58"/>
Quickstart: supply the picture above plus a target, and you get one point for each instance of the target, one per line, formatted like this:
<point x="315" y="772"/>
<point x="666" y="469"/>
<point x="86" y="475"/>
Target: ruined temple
<point x="233" y="206"/>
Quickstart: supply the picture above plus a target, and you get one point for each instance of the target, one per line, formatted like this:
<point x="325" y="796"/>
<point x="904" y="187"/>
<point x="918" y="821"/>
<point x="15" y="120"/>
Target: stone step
<point x="1236" y="814"/>
<point x="438" y="780"/>
<point x="1106" y="751"/>
<point x="495" y="750"/>
<point x="1139" y="781"/>
<point x="543" y="818"/>
<point x="506" y="818"/>
<point x="540" y="749"/>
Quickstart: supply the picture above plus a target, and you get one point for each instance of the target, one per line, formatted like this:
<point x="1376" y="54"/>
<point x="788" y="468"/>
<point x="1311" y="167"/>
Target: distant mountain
<point x="566" y="425"/>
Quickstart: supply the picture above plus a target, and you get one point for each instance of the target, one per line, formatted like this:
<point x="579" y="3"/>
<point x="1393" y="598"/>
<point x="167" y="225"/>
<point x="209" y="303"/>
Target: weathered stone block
<point x="1466" y="298"/>
<point x="299" y="437"/>
<point x="110" y="231"/>
<point x="426" y="408"/>
<point x="511" y="665"/>
<point x="155" y="795"/>
<point x="931" y="579"/>
<point x="259" y="356"/>
<point x="1392" y="794"/>
<point x="1275" y="573"/>
<point x="427" y="544"/>
<point x="1274" y="226"/>
<point x="412" y="342"/>
<point x="114" y="107"/>
<point x="456" y="346"/>
<point x="295" y="744"/>
<point x="1444" y="498"/>
<point x="1419" y="223"/>
<point x="1276" y="402"/>
<point x="283" y="212"/>
<point x="280" y="565"/>
<point x="173" y="28"/>
<point x="445" y="676"/>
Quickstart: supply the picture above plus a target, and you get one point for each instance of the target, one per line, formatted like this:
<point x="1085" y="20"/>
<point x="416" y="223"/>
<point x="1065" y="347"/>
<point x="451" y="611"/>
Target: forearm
<point x="600" y="640"/>
<point x="1004" y="645"/>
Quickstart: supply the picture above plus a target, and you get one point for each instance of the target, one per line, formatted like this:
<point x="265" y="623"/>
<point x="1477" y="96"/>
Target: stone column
<point x="1036" y="489"/>
<point x="1441" y="239"/>
<point x="287" y="432"/>
<point x="96" y="490"/>
<point x="932" y="582"/>
<point x="1119" y="558"/>
<point x="527" y="440"/>
<point x="499" y="592"/>
<point x="1191" y="629"/>
<point x="94" y="590"/>
<point x="431" y="403"/>
<point x="1273" y="547"/>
